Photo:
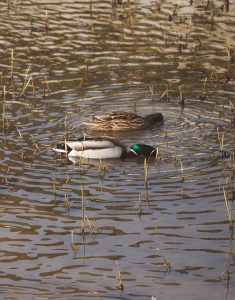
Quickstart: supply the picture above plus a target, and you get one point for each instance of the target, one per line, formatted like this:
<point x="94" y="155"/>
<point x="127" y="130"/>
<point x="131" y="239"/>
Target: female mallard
<point x="102" y="148"/>
<point x="123" y="121"/>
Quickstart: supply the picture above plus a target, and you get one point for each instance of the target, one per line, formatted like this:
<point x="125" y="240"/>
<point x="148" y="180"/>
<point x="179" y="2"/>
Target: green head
<point x="143" y="150"/>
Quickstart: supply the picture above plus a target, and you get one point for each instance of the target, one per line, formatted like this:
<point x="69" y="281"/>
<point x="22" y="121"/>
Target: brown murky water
<point x="74" y="59"/>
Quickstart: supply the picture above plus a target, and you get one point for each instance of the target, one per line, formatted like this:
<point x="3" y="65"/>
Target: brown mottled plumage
<point x="123" y="121"/>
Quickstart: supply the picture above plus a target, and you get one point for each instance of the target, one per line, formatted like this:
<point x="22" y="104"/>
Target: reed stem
<point x="229" y="209"/>
<point x="120" y="284"/>
<point x="12" y="62"/>
<point x="145" y="172"/>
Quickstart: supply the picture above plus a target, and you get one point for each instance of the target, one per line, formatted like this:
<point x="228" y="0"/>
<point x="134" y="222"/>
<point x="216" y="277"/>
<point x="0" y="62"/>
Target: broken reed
<point x="181" y="102"/>
<point x="45" y="86"/>
<point x="145" y="172"/>
<point x="83" y="211"/>
<point x="35" y="144"/>
<point x="85" y="218"/>
<point x="21" y="141"/>
<point x="167" y="264"/>
<point x="203" y="92"/>
<point x="182" y="170"/>
<point x="54" y="185"/>
<point x="119" y="285"/>
<point x="3" y="109"/>
<point x="232" y="112"/>
<point x="12" y="62"/>
<point x="67" y="202"/>
<point x="101" y="170"/>
<point x="165" y="94"/>
<point x="221" y="143"/>
<point x="230" y="51"/>
<point x="46" y="21"/>
<point x="229" y="209"/>
<point x="151" y="91"/>
<point x="74" y="246"/>
<point x="66" y="127"/>
<point x="25" y="81"/>
<point x="177" y="159"/>
<point x="146" y="164"/>
<point x="139" y="204"/>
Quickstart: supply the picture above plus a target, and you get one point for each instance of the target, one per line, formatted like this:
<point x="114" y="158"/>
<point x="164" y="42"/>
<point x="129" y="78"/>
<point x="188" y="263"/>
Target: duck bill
<point x="132" y="151"/>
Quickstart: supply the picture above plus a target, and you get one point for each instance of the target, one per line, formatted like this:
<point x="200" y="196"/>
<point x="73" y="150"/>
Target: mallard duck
<point x="123" y="121"/>
<point x="102" y="148"/>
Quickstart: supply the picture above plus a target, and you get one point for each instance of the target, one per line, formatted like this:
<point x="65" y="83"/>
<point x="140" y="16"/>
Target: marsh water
<point x="103" y="230"/>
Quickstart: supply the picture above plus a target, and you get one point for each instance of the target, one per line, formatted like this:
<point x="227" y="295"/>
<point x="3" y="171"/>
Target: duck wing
<point x="82" y="144"/>
<point x="92" y="144"/>
<point x="117" y="121"/>
<point x="96" y="148"/>
<point x="126" y="120"/>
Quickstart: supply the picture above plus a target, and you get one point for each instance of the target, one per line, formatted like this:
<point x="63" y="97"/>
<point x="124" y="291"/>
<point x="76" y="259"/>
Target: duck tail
<point x="154" y="118"/>
<point x="62" y="148"/>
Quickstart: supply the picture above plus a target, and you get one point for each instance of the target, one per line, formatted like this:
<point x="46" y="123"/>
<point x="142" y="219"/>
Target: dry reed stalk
<point x="12" y="62"/>
<point x="35" y="144"/>
<point x="90" y="225"/>
<point x="45" y="85"/>
<point x="229" y="209"/>
<point x="204" y="86"/>
<point x="165" y="94"/>
<point x="66" y="126"/>
<point x="73" y="244"/>
<point x="151" y="90"/>
<point x="54" y="185"/>
<point x="221" y="143"/>
<point x="145" y="172"/>
<point x="167" y="264"/>
<point x="158" y="155"/>
<point x="26" y="85"/>
<point x="119" y="285"/>
<point x="182" y="101"/>
<point x="3" y="109"/>
<point x="46" y="21"/>
<point x="67" y="202"/>
<point x="83" y="211"/>
<point x="21" y="139"/>
<point x="181" y="169"/>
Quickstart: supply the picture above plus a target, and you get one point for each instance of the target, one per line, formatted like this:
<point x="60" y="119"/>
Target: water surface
<point x="62" y="62"/>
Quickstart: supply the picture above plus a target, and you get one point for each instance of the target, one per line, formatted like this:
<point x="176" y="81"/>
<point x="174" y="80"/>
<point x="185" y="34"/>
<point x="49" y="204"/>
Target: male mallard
<point x="123" y="121"/>
<point x="102" y="148"/>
